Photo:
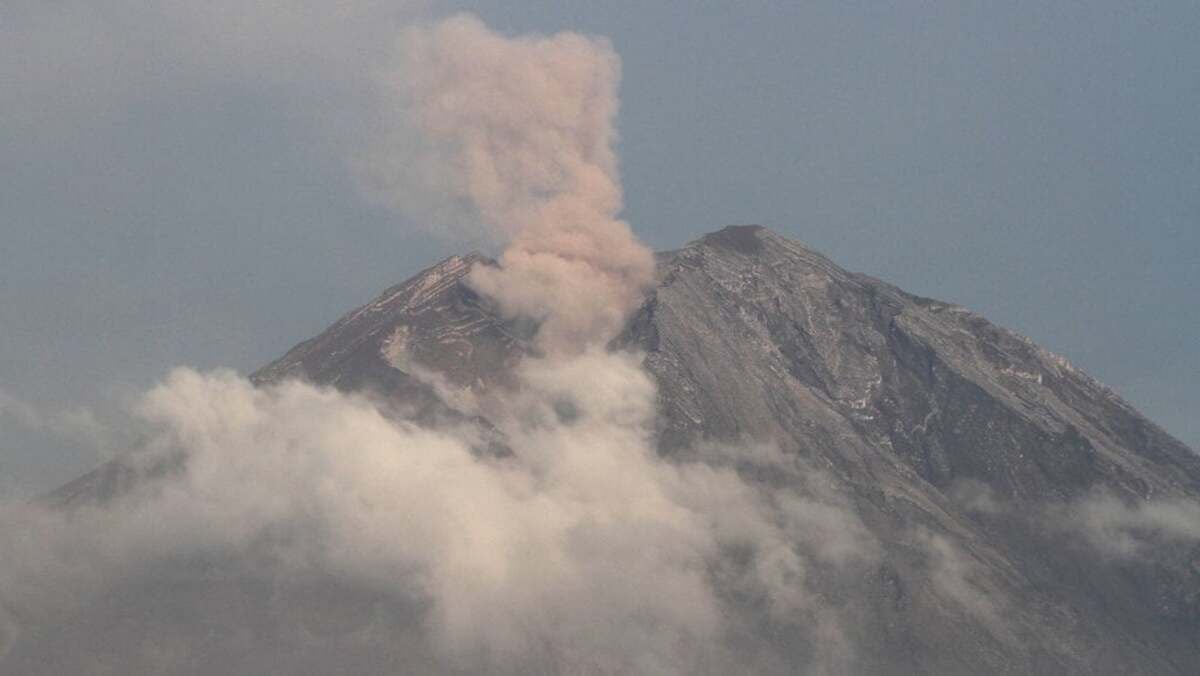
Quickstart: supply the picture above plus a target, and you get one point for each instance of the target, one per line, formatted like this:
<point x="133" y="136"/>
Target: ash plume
<point x="522" y="130"/>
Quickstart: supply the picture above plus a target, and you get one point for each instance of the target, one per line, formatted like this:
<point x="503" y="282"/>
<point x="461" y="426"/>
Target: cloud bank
<point x="582" y="552"/>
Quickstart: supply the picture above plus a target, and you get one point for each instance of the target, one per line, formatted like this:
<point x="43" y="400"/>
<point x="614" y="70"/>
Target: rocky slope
<point x="999" y="485"/>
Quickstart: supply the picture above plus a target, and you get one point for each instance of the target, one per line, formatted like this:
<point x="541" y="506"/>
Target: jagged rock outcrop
<point x="432" y="321"/>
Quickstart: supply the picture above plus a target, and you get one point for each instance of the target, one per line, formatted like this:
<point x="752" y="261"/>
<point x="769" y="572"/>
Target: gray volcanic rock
<point x="919" y="409"/>
<point x="967" y="452"/>
<point x="792" y="342"/>
<point x="433" y="321"/>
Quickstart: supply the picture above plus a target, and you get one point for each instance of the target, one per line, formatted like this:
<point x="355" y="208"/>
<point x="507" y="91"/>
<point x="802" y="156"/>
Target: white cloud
<point x="1125" y="529"/>
<point x="584" y="543"/>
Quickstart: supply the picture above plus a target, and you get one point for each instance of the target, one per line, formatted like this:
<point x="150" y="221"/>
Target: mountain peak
<point x="746" y="239"/>
<point x="751" y="240"/>
<point x="431" y="320"/>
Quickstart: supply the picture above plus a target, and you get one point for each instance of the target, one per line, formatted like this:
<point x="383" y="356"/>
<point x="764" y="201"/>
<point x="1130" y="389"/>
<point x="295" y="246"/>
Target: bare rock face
<point x="971" y="455"/>
<point x="939" y="425"/>
<point x="432" y="321"/>
<point x="750" y="333"/>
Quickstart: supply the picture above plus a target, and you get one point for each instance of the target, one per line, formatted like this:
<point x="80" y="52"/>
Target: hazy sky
<point x="175" y="184"/>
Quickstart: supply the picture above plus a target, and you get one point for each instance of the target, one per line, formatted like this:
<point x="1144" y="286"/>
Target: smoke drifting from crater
<point x="522" y="131"/>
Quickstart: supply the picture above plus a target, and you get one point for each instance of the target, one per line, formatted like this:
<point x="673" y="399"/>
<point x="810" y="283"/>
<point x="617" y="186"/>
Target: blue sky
<point x="175" y="186"/>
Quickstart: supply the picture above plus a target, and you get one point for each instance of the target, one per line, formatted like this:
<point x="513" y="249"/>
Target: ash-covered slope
<point x="752" y="334"/>
<point x="939" y="423"/>
<point x="1022" y="517"/>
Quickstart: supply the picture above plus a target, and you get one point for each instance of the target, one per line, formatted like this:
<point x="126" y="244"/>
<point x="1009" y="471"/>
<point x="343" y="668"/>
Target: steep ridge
<point x="929" y="382"/>
<point x="432" y="320"/>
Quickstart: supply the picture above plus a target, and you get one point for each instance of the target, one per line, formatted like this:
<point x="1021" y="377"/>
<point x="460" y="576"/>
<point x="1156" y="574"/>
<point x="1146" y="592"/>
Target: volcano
<point x="1023" y="513"/>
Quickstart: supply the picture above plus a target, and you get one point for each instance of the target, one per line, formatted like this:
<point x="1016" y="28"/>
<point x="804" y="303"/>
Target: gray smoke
<point x="521" y="130"/>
